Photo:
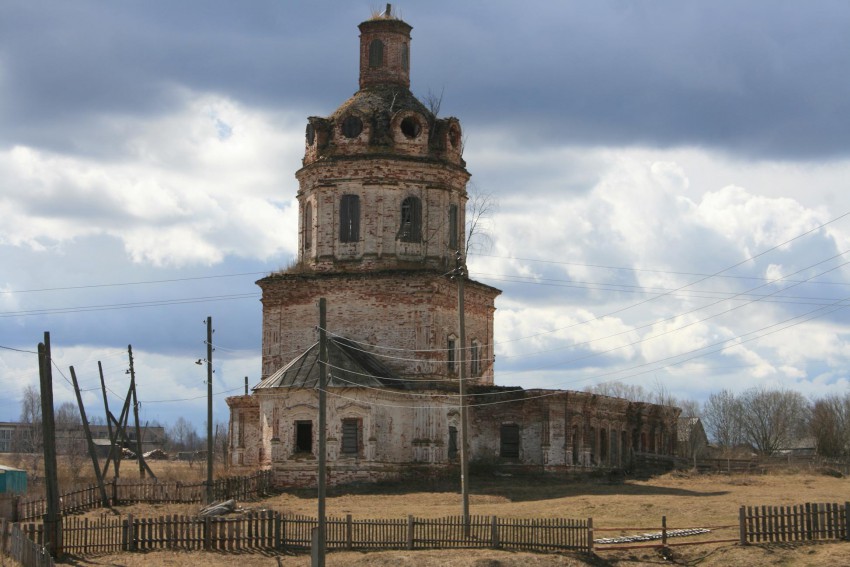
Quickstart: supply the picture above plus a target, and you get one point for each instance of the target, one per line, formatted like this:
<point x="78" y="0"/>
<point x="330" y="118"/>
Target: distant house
<point x="16" y="437"/>
<point x="12" y="480"/>
<point x="692" y="440"/>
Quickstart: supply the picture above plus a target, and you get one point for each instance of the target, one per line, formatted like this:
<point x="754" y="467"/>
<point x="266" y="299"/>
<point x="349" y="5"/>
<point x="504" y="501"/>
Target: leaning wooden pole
<point x="89" y="443"/>
<point x="53" y="518"/>
<point x="139" y="456"/>
<point x="108" y="422"/>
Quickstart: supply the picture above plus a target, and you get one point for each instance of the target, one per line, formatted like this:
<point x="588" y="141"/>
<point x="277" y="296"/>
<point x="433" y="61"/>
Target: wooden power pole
<point x="319" y="556"/>
<point x="53" y="518"/>
<point x="209" y="412"/>
<point x="460" y="274"/>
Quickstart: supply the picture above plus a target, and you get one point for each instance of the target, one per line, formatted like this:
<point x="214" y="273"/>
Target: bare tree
<point x="615" y="389"/>
<point x="182" y="435"/>
<point x="721" y="414"/>
<point x="221" y="442"/>
<point x="29" y="438"/>
<point x="434" y="101"/>
<point x="480" y="207"/>
<point x="772" y="419"/>
<point x="69" y="433"/>
<point x="830" y="425"/>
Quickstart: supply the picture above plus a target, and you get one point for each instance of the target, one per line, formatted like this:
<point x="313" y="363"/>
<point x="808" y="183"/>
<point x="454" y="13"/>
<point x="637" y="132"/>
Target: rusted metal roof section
<point x="349" y="366"/>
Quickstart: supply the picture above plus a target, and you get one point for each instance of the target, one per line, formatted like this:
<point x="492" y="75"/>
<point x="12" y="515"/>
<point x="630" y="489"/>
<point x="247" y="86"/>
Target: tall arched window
<point x="349" y="218"/>
<point x="411" y="220"/>
<point x="376" y="53"/>
<point x="453" y="243"/>
<point x="308" y="227"/>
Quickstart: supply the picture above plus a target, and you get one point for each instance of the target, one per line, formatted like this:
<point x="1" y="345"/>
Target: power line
<point x="120" y="284"/>
<point x="133" y="305"/>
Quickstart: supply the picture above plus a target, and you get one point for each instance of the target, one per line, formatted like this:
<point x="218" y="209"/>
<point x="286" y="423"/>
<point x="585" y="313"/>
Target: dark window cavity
<point x="308" y="226"/>
<point x="410" y="127"/>
<point x="349" y="218"/>
<point x="454" y="136"/>
<point x="509" y="441"/>
<point x="411" y="220"/>
<point x="405" y="57"/>
<point x="452" y="442"/>
<point x="475" y="359"/>
<point x="350" y="436"/>
<point x="311" y="134"/>
<point x="351" y="127"/>
<point x="376" y="53"/>
<point x="303" y="436"/>
<point x="450" y="354"/>
<point x="453" y="227"/>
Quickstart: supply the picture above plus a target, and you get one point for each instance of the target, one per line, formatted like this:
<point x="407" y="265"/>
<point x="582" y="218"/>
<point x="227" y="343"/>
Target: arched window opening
<point x="308" y="226"/>
<point x="376" y="53"/>
<point x="411" y="220"/>
<point x="475" y="359"/>
<point x="451" y="354"/>
<point x="349" y="218"/>
<point x="453" y="232"/>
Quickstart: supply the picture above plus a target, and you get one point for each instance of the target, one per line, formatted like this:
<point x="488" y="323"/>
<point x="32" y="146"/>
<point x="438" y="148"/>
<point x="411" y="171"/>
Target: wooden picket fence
<point x="15" y="544"/>
<point x="269" y="531"/>
<point x="121" y="491"/>
<point x="807" y="522"/>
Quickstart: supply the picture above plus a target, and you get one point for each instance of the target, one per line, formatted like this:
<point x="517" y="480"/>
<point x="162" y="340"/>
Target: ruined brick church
<point x="382" y="205"/>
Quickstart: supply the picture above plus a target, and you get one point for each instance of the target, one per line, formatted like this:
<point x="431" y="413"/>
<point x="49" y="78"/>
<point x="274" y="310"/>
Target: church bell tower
<point x="381" y="198"/>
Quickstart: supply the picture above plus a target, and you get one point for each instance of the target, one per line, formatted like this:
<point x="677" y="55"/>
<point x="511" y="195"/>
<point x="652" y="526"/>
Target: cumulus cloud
<point x="189" y="188"/>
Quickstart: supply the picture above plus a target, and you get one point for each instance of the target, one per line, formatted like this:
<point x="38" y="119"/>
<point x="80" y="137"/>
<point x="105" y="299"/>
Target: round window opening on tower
<point x="311" y="134"/>
<point x="351" y="127"/>
<point x="410" y="127"/>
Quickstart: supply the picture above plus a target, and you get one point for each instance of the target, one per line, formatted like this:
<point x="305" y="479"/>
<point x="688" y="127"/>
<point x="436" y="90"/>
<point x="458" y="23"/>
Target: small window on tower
<point x="308" y="227"/>
<point x="376" y="53"/>
<point x="410" y="127"/>
<point x="411" y="220"/>
<point x="311" y="134"/>
<point x="351" y="127"/>
<point x="453" y="227"/>
<point x="405" y="57"/>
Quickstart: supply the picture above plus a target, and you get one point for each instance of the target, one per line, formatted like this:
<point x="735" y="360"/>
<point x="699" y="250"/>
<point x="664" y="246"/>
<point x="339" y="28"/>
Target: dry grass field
<point x="634" y="504"/>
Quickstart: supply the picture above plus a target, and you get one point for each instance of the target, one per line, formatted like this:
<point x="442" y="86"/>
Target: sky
<point x="671" y="180"/>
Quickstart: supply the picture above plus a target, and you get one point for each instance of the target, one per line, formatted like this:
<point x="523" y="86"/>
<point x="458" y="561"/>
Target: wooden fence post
<point x="207" y="533"/>
<point x="278" y="531"/>
<point x="847" y="521"/>
<point x="664" y="531"/>
<point x="590" y="535"/>
<point x="4" y="525"/>
<point x="742" y="525"/>
<point x="494" y="533"/>
<point x="409" y="532"/>
<point x="349" y="532"/>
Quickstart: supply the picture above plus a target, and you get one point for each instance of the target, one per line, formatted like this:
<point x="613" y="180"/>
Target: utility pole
<point x="136" y="414"/>
<point x="209" y="412"/>
<point x="460" y="274"/>
<point x="53" y="518"/>
<point x="318" y="559"/>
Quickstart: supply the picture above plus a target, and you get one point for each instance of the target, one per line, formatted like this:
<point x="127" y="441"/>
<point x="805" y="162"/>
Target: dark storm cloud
<point x="765" y="79"/>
